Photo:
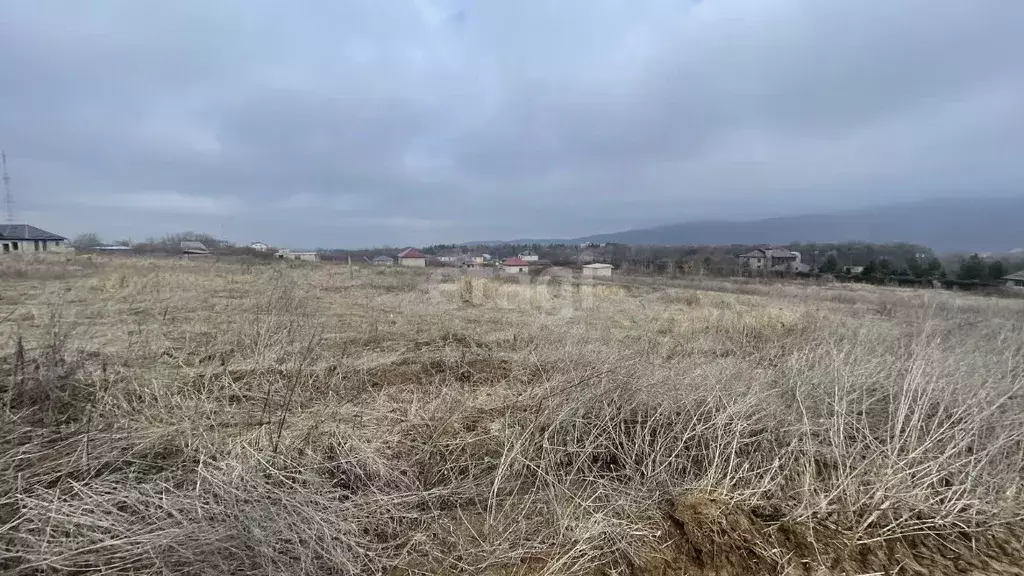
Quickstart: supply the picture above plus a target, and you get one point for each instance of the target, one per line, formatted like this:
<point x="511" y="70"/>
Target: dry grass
<point x="203" y="418"/>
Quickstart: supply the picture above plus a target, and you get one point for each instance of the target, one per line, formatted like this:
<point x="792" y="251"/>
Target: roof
<point x="383" y="258"/>
<point x="1015" y="276"/>
<point x="515" y="262"/>
<point x="598" y="265"/>
<point x="26" y="232"/>
<point x="411" y="253"/>
<point x="189" y="246"/>
<point x="769" y="253"/>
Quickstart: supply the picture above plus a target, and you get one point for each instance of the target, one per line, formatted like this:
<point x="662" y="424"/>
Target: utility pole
<point x="8" y="197"/>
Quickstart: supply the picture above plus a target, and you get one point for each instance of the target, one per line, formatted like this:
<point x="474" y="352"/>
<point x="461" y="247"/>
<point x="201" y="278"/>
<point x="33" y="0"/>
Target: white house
<point x="529" y="256"/>
<point x="412" y="257"/>
<point x="593" y="270"/>
<point x="22" y="238"/>
<point x="259" y="246"/>
<point x="515" y="266"/>
<point x="383" y="260"/>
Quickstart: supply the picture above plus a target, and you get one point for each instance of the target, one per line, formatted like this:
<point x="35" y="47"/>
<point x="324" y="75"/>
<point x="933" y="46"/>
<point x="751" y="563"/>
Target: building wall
<point x="32" y="246"/>
<point x="753" y="263"/>
<point x="597" y="271"/>
<point x="529" y="257"/>
<point x="780" y="260"/>
<point x="304" y="256"/>
<point x="415" y="262"/>
<point x="516" y="269"/>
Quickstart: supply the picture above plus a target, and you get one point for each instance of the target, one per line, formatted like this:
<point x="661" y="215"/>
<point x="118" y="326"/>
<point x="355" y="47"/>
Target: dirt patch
<point x="712" y="536"/>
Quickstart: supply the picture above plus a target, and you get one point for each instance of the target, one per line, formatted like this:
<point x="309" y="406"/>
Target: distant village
<point x="898" y="263"/>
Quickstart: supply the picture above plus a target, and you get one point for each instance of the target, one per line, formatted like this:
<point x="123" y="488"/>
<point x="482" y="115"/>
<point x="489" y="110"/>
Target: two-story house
<point x="769" y="258"/>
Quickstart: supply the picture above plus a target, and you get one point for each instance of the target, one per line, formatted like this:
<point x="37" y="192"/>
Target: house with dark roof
<point x="1015" y="279"/>
<point x="779" y="259"/>
<point x="26" y="239"/>
<point x="383" y="260"/>
<point x="412" y="257"/>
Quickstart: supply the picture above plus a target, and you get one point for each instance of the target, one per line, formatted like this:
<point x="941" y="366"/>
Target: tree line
<point x="885" y="260"/>
<point x="973" y="268"/>
<point x="166" y="243"/>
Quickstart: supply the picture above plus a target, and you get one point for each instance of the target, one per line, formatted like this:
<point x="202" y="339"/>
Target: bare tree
<point x="87" y="240"/>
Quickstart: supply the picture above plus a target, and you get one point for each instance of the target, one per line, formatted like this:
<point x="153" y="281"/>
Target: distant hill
<point x="984" y="225"/>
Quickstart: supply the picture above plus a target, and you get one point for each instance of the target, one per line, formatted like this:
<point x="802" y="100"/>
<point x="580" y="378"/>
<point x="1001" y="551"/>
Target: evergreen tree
<point x="996" y="270"/>
<point x="972" y="268"/>
<point x="831" y="265"/>
<point x="885" y="267"/>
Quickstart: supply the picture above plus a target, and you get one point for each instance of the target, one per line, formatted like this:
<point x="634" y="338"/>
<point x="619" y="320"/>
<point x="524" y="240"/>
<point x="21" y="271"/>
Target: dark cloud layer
<point x="366" y="123"/>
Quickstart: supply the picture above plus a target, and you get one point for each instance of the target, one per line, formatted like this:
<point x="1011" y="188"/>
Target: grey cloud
<point x="438" y="120"/>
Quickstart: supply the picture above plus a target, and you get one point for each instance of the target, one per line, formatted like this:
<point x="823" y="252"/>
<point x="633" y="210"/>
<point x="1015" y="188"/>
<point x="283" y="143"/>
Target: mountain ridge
<point x="975" y="225"/>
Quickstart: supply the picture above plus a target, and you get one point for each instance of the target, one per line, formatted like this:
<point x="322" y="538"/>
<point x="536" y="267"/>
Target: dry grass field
<point x="178" y="417"/>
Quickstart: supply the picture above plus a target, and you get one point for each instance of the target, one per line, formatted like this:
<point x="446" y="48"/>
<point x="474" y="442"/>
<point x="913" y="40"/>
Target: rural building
<point x="195" y="248"/>
<point x="22" y="238"/>
<point x="593" y="270"/>
<point x="515" y="266"/>
<point x="450" y="256"/>
<point x="303" y="256"/>
<point x="259" y="246"/>
<point x="853" y="270"/>
<point x="528" y="256"/>
<point x="383" y="260"/>
<point x="471" y="260"/>
<point x="1015" y="279"/>
<point x="767" y="258"/>
<point x="412" y="257"/>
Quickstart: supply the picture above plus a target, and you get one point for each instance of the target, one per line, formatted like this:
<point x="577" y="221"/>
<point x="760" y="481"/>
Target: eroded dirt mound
<point x="712" y="536"/>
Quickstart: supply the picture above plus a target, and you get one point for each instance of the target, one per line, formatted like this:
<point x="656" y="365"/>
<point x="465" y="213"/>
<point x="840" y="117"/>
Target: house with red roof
<point x="412" y="257"/>
<point x="515" y="265"/>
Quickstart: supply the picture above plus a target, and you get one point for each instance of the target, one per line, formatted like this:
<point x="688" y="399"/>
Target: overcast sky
<point x="370" y="122"/>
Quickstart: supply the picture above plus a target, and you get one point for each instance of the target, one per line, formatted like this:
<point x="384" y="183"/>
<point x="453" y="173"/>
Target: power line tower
<point x="8" y="197"/>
